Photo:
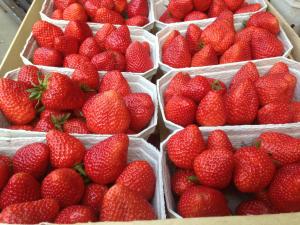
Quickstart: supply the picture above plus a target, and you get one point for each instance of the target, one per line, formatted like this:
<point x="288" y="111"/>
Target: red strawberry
<point x="44" y="125"/>
<point x="195" y="15"/>
<point x="253" y="207"/>
<point x="91" y="6"/>
<point x="21" y="187"/>
<point x="205" y="57"/>
<point x="105" y="161"/>
<point x="29" y="74"/>
<point x="54" y="120"/>
<point x="282" y="148"/>
<point x="196" y="89"/>
<point x="240" y="51"/>
<point x="275" y="113"/>
<point x="210" y="203"/>
<point x="57" y="14"/>
<point x="141" y="109"/>
<point x="182" y="180"/>
<point x="66" y="45"/>
<point x="137" y="21"/>
<point x="15" y="103"/>
<point x="247" y="71"/>
<point x="76" y="61"/>
<point x="87" y="78"/>
<point x="137" y="8"/>
<point x="133" y="207"/>
<point x="180" y="110"/>
<point x="89" y="47"/>
<point x="245" y="35"/>
<point x="65" y="150"/>
<point x="214" y="168"/>
<point x="216" y="8"/>
<point x="78" y="29"/>
<point x="176" y="85"/>
<point x="265" y="20"/>
<point x="7" y="160"/>
<point x="120" y="61"/>
<point x="45" y="33"/>
<point x="172" y="20"/>
<point x="248" y="8"/>
<point x="21" y="127"/>
<point x="211" y="110"/>
<point x="218" y="139"/>
<point x="119" y="39"/>
<point x="177" y="54"/>
<point x="93" y="196"/>
<point x="202" y="5"/>
<point x="106" y="113"/>
<point x="62" y="4"/>
<point x="193" y="35"/>
<point x="104" y="15"/>
<point x="32" y="159"/>
<point x="114" y="80"/>
<point x="279" y="67"/>
<point x="295" y="107"/>
<point x="4" y="173"/>
<point x="76" y="214"/>
<point x="75" y="126"/>
<point x="165" y="15"/>
<point x="47" y="57"/>
<point x="284" y="190"/>
<point x="256" y="166"/>
<point x="138" y="177"/>
<point x="169" y="39"/>
<point x="104" y="61"/>
<point x="102" y="33"/>
<point x="184" y="146"/>
<point x="75" y="11"/>
<point x="180" y="8"/>
<point x="31" y="212"/>
<point x="233" y="4"/>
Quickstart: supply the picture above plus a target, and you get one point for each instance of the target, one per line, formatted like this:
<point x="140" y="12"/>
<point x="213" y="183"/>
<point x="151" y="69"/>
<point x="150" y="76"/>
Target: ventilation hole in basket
<point x="293" y="26"/>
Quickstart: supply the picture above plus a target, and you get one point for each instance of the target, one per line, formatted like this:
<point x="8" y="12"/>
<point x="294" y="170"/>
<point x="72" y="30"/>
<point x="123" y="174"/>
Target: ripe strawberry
<point x="55" y="121"/>
<point x="177" y="53"/>
<point x="284" y="189"/>
<point x="114" y="80"/>
<point x="93" y="196"/>
<point x="29" y="74"/>
<point x="62" y="4"/>
<point x="105" y="161"/>
<point x="45" y="33"/>
<point x="76" y="12"/>
<point x="21" y="187"/>
<point x="89" y="47"/>
<point x="233" y="4"/>
<point x="137" y="8"/>
<point x="76" y="214"/>
<point x="210" y="203"/>
<point x="169" y="39"/>
<point x="78" y="29"/>
<point x="180" y="8"/>
<point x="295" y="107"/>
<point x="120" y="61"/>
<point x="176" y="85"/>
<point x="205" y="57"/>
<point x="102" y="33"/>
<point x="279" y="67"/>
<point x="31" y="212"/>
<point x="184" y="146"/>
<point x="87" y="78"/>
<point x="141" y="109"/>
<point x="120" y="5"/>
<point x="76" y="61"/>
<point x="75" y="126"/>
<point x="134" y="207"/>
<point x="247" y="71"/>
<point x="214" y="168"/>
<point x="240" y="51"/>
<point x="172" y="20"/>
<point x="193" y="35"/>
<point x="164" y="16"/>
<point x="275" y="113"/>
<point x="119" y="39"/>
<point x="182" y="180"/>
<point x="15" y="103"/>
<point x="241" y="104"/>
<point x="4" y="173"/>
<point x="91" y="6"/>
<point x="104" y="61"/>
<point x="202" y="6"/>
<point x="21" y="127"/>
<point x="66" y="45"/>
<point x="180" y="110"/>
<point x="106" y="113"/>
<point x="253" y="207"/>
<point x="256" y="166"/>
<point x="216" y="8"/>
<point x="218" y="139"/>
<point x="137" y="21"/>
<point x="104" y="15"/>
<point x="265" y="20"/>
<point x="32" y="159"/>
<point x="211" y="110"/>
<point x="57" y="14"/>
<point x="195" y="15"/>
<point x="44" y="125"/>
<point x="7" y="160"/>
<point x="47" y="57"/>
<point x="245" y="35"/>
<point x="282" y="148"/>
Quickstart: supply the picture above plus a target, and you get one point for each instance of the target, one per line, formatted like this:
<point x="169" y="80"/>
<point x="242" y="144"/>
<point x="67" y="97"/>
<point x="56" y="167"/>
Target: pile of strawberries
<point x="47" y="182"/>
<point x="82" y="103"/>
<point x="187" y="10"/>
<point x="219" y="43"/>
<point x="103" y="11"/>
<point x="267" y="173"/>
<point x="110" y="49"/>
<point x="250" y="99"/>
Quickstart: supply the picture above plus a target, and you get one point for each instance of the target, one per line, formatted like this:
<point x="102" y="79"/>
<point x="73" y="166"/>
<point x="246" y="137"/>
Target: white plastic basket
<point x="238" y="139"/>
<point x="48" y="8"/>
<point x="136" y="83"/>
<point x="160" y="6"/>
<point x="238" y="22"/>
<point x="225" y="73"/>
<point x="137" y="34"/>
<point x="138" y="149"/>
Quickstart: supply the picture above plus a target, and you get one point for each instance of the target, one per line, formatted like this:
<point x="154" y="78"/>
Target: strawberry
<point x="63" y="4"/>
<point x="119" y="39"/>
<point x="275" y="113"/>
<point x="172" y="20"/>
<point x="32" y="159"/>
<point x="241" y="104"/>
<point x="248" y="8"/>
<point x="265" y="20"/>
<point x="15" y="103"/>
<point x="253" y="207"/>
<point x="106" y="113"/>
<point x="76" y="214"/>
<point x="180" y="110"/>
<point x="104" y="61"/>
<point x="76" y="12"/>
<point x="180" y="8"/>
<point x="21" y="127"/>
<point x="245" y="35"/>
<point x="177" y="53"/>
<point x="205" y="57"/>
<point x="233" y="4"/>
<point x="256" y="166"/>
<point x="104" y="15"/>
<point x="66" y="45"/>
<point x="87" y="78"/>
<point x="78" y="29"/>
<point x="120" y="61"/>
<point x="137" y="8"/>
<point x="105" y="161"/>
<point x="284" y="189"/>
<point x="45" y="33"/>
<point x="218" y="139"/>
<point x="65" y="150"/>
<point x="93" y="196"/>
<point x="169" y="39"/>
<point x="45" y="124"/>
<point x="7" y="160"/>
<point x="137" y="58"/>
<point x="31" y="212"/>
<point x="202" y="6"/>
<point x="134" y="207"/>
<point x="21" y="187"/>
<point x="89" y="47"/>
<point x="75" y="126"/>
<point x="193" y="35"/>
<point x="114" y="80"/>
<point x="240" y="51"/>
<point x="279" y="67"/>
<point x="176" y="85"/>
<point x="295" y="107"/>
<point x="91" y="6"/>
<point x="76" y="61"/>
<point x="282" y="148"/>
<point x="210" y="203"/>
<point x="4" y="173"/>
<point x="216" y="8"/>
<point x="57" y="14"/>
<point x="211" y="110"/>
<point x="247" y="71"/>
<point x="184" y="146"/>
<point x="29" y="74"/>
<point x="182" y="180"/>
<point x="164" y="16"/>
<point x="270" y="47"/>
<point x="137" y="21"/>
<point x="47" y="57"/>
<point x="102" y="33"/>
<point x="195" y="15"/>
<point x="141" y="109"/>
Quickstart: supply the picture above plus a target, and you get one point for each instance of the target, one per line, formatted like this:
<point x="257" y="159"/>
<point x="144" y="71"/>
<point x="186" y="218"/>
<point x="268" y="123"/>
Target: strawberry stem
<point x="216" y="85"/>
<point x="193" y="179"/>
<point x="59" y="121"/>
<point x="257" y="143"/>
<point x="79" y="169"/>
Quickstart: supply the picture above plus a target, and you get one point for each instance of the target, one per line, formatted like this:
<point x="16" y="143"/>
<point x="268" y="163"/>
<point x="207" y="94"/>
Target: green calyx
<point x="59" y="121"/>
<point x="201" y="45"/>
<point x="193" y="179"/>
<point x="86" y="88"/>
<point x="216" y="85"/>
<point x="257" y="143"/>
<point x="79" y="168"/>
<point x="37" y="90"/>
